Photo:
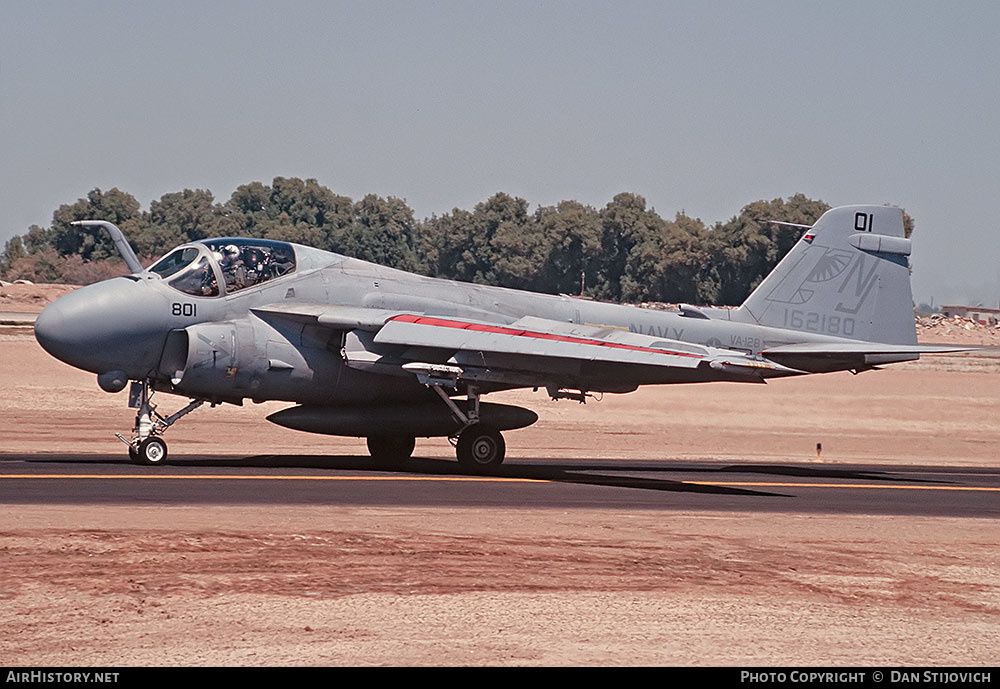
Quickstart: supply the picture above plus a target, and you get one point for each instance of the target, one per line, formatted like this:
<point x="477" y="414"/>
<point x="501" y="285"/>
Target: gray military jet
<point x="368" y="351"/>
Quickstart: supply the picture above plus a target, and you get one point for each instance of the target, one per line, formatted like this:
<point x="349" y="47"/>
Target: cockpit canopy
<point x="209" y="267"/>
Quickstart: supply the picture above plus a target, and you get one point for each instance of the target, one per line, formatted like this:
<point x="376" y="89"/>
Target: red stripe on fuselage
<point x="515" y="332"/>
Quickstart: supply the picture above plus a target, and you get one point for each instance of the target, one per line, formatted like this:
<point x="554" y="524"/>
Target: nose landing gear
<point x="147" y="447"/>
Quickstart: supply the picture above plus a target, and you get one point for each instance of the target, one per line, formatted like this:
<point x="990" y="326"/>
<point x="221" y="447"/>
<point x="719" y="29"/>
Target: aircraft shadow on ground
<point x="558" y="473"/>
<point x="561" y="472"/>
<point x="577" y="472"/>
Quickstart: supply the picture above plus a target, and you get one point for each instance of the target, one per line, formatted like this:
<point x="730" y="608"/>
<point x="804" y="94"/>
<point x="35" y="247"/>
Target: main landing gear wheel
<point x="480" y="448"/>
<point x="391" y="449"/>
<point x="152" y="450"/>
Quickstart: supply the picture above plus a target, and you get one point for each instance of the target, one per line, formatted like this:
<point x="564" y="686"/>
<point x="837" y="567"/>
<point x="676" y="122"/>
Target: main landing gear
<point x="147" y="447"/>
<point x="479" y="446"/>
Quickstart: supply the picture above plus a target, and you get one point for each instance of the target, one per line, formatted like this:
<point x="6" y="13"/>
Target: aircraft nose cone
<point x="51" y="330"/>
<point x="102" y="327"/>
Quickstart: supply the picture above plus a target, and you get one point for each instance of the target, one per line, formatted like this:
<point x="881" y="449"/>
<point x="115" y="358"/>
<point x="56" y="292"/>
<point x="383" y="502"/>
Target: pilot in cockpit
<point x="233" y="268"/>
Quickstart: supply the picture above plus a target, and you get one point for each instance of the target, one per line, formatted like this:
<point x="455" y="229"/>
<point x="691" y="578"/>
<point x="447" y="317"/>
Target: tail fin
<point x="848" y="276"/>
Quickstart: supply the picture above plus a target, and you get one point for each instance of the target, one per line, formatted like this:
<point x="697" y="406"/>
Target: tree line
<point x="624" y="251"/>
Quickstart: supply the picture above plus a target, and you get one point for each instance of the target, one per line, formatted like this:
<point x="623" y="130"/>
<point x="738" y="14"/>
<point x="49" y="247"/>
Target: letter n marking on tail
<point x="863" y="284"/>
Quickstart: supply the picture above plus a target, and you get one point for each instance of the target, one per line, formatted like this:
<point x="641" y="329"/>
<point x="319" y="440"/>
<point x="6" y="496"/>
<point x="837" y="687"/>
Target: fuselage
<point x="197" y="330"/>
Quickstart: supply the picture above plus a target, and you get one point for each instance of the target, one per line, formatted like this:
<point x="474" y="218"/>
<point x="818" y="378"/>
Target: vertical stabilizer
<point x="848" y="276"/>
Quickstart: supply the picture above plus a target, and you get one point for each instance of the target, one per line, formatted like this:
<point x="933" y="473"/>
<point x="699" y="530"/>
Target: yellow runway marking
<point x="193" y="477"/>
<point x="836" y="485"/>
<point x="939" y="473"/>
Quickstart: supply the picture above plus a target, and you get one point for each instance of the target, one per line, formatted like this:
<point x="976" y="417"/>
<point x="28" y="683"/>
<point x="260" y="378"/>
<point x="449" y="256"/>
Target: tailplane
<point x="848" y="276"/>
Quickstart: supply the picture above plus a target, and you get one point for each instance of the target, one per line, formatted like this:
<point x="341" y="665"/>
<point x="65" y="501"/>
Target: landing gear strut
<point x="147" y="447"/>
<point x="480" y="447"/>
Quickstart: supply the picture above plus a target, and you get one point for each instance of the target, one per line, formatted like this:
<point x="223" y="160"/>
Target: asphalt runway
<point x="17" y="318"/>
<point x="558" y="484"/>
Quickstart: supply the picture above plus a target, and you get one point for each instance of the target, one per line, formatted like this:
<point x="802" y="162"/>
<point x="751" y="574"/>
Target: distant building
<point x="980" y="314"/>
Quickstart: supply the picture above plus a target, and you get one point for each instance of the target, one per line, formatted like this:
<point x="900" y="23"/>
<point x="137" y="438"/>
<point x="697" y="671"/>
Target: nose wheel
<point x="146" y="446"/>
<point x="151" y="451"/>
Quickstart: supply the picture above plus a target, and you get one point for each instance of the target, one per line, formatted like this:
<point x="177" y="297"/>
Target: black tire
<point x="391" y="449"/>
<point x="133" y="454"/>
<point x="480" y="448"/>
<point x="151" y="451"/>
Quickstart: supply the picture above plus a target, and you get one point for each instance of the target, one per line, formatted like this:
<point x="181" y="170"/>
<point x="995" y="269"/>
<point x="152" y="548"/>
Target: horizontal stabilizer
<point x="820" y="357"/>
<point x="838" y="349"/>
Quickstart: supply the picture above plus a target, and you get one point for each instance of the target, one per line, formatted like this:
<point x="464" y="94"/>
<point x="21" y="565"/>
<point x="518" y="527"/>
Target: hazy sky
<point x="699" y="106"/>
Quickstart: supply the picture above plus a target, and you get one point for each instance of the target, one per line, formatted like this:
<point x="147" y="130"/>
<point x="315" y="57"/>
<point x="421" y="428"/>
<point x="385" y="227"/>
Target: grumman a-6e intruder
<point x="373" y="352"/>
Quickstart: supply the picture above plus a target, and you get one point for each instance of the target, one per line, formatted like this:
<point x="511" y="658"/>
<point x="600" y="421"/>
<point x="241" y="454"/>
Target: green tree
<point x="491" y="245"/>
<point x="290" y="209"/>
<point x="666" y="264"/>
<point x="442" y="242"/>
<point x="745" y="249"/>
<point x="382" y="231"/>
<point x="625" y="224"/>
<point x="180" y="217"/>
<point x="571" y="243"/>
<point x="248" y="207"/>
<point x="625" y="251"/>
<point x="94" y="243"/>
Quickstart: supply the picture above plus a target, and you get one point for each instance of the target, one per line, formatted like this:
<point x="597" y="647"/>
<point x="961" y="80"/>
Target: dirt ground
<point x="257" y="585"/>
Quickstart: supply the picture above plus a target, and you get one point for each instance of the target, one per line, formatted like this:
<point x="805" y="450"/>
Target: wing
<point x="536" y="340"/>
<point x="530" y="352"/>
<point x="540" y="352"/>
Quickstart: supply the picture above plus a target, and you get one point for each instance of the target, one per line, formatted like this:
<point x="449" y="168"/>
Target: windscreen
<point x="197" y="279"/>
<point x="174" y="261"/>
